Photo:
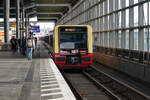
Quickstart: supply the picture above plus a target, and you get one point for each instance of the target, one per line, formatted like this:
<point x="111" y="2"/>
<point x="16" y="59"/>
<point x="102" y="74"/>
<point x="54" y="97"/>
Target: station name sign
<point x="35" y="29"/>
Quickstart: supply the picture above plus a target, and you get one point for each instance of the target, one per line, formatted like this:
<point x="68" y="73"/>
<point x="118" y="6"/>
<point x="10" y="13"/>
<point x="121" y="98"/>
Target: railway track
<point x="93" y="84"/>
<point x="86" y="87"/>
<point x="120" y="89"/>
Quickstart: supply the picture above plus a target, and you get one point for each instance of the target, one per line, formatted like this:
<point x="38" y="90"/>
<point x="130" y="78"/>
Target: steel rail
<point x="108" y="91"/>
<point x="98" y="85"/>
<point x="129" y="88"/>
<point x="74" y="90"/>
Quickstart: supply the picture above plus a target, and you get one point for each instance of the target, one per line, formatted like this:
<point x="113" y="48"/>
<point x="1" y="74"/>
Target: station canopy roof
<point x="45" y="10"/>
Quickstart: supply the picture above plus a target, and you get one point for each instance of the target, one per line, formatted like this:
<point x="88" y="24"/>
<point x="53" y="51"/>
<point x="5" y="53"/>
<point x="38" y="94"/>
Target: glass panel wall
<point x="124" y="23"/>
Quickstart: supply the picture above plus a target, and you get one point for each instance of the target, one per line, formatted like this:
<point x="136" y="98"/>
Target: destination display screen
<point x="73" y="29"/>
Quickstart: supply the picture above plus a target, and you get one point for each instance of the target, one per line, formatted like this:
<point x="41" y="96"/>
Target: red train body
<point x="72" y="46"/>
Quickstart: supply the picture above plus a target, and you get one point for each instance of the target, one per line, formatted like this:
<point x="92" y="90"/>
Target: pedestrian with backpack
<point x="29" y="45"/>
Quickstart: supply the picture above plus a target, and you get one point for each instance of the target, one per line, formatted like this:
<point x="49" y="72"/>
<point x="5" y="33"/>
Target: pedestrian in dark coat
<point x="23" y="46"/>
<point x="13" y="42"/>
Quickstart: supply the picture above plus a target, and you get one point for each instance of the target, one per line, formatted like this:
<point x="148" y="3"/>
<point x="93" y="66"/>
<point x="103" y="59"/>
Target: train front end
<point x="73" y="46"/>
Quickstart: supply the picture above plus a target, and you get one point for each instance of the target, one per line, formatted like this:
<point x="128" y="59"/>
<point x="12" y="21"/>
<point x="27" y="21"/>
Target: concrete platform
<point x="39" y="79"/>
<point x="13" y="78"/>
<point x="53" y="85"/>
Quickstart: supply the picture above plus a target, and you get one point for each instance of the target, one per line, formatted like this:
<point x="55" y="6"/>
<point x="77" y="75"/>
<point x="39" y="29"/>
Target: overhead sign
<point x="24" y="30"/>
<point x="35" y="29"/>
<point x="13" y="24"/>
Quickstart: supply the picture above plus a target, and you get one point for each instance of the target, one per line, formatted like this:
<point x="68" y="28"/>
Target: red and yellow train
<point x="72" y="46"/>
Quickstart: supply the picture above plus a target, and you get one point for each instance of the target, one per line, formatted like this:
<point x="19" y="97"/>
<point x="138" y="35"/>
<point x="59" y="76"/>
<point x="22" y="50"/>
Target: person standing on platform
<point x="35" y="41"/>
<point x="13" y="42"/>
<point x="24" y="46"/>
<point x="29" y="45"/>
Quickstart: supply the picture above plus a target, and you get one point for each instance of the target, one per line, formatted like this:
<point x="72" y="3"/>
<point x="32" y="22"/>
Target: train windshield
<point x="73" y="37"/>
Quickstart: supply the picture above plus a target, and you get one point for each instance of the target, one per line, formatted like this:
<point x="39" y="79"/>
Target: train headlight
<point x="74" y="51"/>
<point x="64" y="52"/>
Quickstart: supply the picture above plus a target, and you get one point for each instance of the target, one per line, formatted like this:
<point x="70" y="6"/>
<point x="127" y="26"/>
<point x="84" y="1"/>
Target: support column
<point x="98" y="24"/>
<point x="6" y="19"/>
<point x="20" y="25"/>
<point x="141" y="30"/>
<point x="105" y="23"/>
<point x="131" y="24"/>
<point x="116" y="24"/>
<point x="123" y="24"/>
<point x="23" y="24"/>
<point x="17" y="18"/>
<point x="26" y="24"/>
<point x="111" y="25"/>
<point x="148" y="33"/>
<point x="102" y="24"/>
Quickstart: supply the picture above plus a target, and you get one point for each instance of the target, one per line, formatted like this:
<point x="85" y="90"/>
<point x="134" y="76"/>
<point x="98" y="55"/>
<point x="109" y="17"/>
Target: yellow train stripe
<point x="56" y="49"/>
<point x="90" y="40"/>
